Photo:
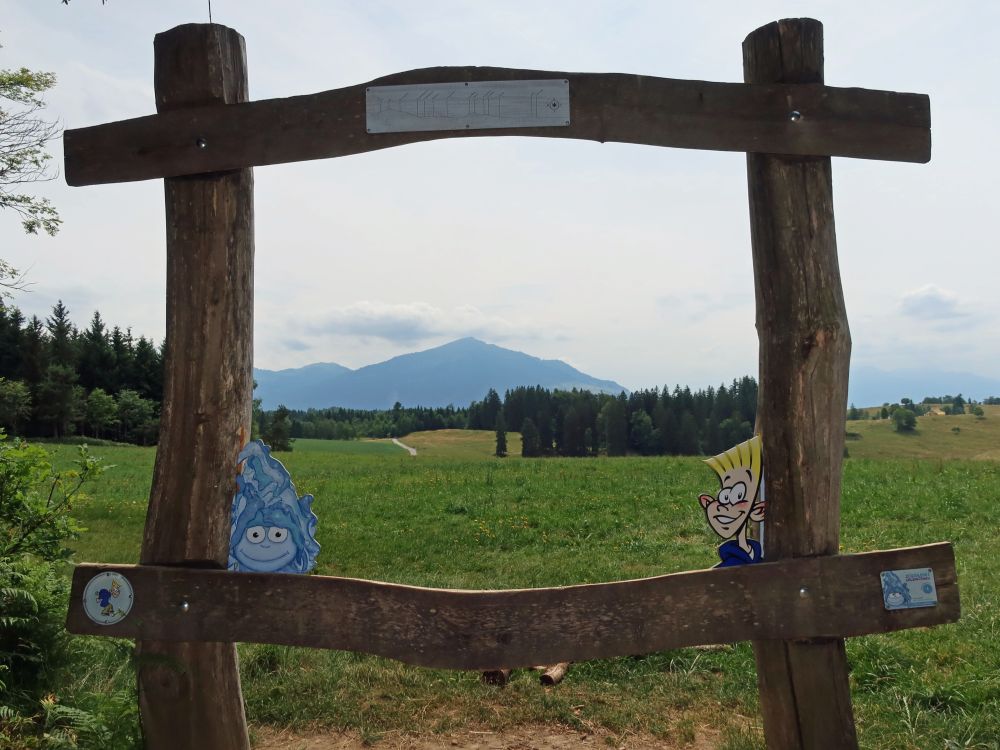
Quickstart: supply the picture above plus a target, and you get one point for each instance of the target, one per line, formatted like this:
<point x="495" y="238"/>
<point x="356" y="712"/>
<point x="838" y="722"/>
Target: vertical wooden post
<point x="805" y="347"/>
<point x="189" y="693"/>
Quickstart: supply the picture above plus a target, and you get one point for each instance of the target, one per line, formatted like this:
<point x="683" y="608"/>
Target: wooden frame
<point x="798" y="607"/>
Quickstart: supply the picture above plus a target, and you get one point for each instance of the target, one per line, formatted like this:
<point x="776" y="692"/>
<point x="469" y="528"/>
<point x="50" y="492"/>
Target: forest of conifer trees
<point x="58" y="381"/>
<point x="645" y="422"/>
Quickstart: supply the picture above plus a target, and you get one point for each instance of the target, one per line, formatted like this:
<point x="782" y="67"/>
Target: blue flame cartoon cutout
<point x="273" y="529"/>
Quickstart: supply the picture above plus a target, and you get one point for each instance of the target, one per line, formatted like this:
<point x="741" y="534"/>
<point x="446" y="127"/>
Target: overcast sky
<point x="632" y="263"/>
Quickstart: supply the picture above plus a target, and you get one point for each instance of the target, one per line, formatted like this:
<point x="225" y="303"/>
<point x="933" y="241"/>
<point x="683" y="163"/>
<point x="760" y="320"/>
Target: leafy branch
<point x="36" y="500"/>
<point x="23" y="158"/>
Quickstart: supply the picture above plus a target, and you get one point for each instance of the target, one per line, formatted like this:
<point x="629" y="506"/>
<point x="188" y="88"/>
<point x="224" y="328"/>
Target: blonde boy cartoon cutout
<point x="738" y="502"/>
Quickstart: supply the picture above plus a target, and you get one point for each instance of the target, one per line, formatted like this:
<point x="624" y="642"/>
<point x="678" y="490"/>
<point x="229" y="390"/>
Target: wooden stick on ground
<point x="553" y="675"/>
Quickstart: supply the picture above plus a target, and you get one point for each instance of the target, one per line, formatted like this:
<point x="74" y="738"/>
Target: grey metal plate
<point x="467" y="106"/>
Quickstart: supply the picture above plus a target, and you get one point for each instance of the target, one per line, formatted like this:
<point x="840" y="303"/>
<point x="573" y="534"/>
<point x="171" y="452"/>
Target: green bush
<point x="38" y="658"/>
<point x="904" y="420"/>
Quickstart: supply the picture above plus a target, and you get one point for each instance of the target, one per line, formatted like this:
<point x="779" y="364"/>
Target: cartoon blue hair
<point x="894" y="591"/>
<point x="265" y="496"/>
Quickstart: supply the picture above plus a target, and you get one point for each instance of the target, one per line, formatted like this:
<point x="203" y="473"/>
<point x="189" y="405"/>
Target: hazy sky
<point x="630" y="262"/>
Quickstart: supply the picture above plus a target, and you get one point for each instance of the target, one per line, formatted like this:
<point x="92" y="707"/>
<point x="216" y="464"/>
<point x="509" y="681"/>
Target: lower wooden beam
<point x="804" y="598"/>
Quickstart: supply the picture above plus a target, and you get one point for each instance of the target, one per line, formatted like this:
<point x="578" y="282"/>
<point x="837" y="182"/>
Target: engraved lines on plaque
<point x="467" y="106"/>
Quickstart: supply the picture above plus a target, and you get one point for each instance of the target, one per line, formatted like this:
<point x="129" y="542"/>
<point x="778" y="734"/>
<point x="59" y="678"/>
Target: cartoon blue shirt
<point x="731" y="553"/>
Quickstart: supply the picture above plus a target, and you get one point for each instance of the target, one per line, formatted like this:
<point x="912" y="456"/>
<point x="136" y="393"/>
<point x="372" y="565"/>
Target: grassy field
<point x="466" y="444"/>
<point x="936" y="436"/>
<point x="454" y="516"/>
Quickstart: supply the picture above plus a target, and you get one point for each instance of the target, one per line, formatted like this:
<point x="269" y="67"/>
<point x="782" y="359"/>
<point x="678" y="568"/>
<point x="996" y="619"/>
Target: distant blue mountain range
<point x="464" y="370"/>
<point x="870" y="386"/>
<point x="456" y="373"/>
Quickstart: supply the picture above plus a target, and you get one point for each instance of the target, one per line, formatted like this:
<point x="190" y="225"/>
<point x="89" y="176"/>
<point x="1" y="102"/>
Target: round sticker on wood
<point x="107" y="598"/>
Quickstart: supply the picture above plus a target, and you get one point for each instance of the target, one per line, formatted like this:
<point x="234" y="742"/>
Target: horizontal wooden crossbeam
<point x="802" y="119"/>
<point x="805" y="598"/>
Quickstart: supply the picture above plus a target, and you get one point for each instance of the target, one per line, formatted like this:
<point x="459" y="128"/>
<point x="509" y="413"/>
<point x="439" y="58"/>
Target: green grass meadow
<point x="454" y="516"/>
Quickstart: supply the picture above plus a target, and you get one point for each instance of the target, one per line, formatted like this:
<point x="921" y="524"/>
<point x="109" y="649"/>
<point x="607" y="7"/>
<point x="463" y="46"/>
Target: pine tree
<point x="573" y="433"/>
<point x="529" y="439"/>
<point x="278" y="431"/>
<point x="34" y="355"/>
<point x="58" y="401"/>
<point x="61" y="337"/>
<point x="615" y="427"/>
<point x="11" y="336"/>
<point x="687" y="439"/>
<point x="122" y="356"/>
<point x="147" y="375"/>
<point x="501" y="431"/>
<point x="491" y="407"/>
<point x="97" y="360"/>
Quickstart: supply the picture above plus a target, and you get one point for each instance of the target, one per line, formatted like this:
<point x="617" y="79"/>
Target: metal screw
<point x="803" y="593"/>
<point x="185" y="606"/>
<point x="794" y="115"/>
<point x="201" y="142"/>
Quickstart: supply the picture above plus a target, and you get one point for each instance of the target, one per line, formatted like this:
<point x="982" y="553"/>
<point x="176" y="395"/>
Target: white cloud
<point x="414" y="322"/>
<point x="931" y="302"/>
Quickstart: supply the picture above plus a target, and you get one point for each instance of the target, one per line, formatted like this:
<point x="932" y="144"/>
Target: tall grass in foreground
<point x="489" y="523"/>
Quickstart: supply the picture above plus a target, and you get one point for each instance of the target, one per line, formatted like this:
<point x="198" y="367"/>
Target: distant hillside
<point x="455" y="373"/>
<point x="961" y="436"/>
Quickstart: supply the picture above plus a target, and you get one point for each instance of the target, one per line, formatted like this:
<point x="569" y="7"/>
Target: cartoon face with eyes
<point x="737" y="502"/>
<point x="729" y="512"/>
<point x="266" y="548"/>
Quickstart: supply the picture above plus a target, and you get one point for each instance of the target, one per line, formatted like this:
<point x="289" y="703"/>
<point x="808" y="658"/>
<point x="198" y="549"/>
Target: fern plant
<point x="36" y="503"/>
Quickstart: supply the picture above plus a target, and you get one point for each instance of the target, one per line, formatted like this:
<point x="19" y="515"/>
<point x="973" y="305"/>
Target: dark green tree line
<point x="57" y="381"/>
<point x="645" y="422"/>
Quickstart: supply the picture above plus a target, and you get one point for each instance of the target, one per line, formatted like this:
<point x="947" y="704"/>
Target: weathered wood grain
<point x="604" y="107"/>
<point x="205" y="417"/>
<point x="483" y="630"/>
<point x="805" y="346"/>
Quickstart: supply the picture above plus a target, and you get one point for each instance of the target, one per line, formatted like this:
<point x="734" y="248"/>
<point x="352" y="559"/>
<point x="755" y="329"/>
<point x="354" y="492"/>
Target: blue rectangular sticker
<point x="908" y="589"/>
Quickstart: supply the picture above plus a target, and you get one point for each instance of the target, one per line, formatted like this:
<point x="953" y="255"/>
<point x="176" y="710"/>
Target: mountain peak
<point x="467" y="342"/>
<point x="455" y="373"/>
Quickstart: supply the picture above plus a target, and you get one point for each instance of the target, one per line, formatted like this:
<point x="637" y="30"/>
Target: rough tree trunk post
<point x="189" y="693"/>
<point x="805" y="349"/>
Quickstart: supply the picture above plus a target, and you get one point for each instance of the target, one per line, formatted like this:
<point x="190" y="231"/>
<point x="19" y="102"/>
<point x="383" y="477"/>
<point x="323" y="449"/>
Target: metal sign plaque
<point x="907" y="589"/>
<point x="467" y="106"/>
